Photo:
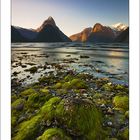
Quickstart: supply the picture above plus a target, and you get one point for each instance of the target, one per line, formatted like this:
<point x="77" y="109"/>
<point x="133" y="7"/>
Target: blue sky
<point x="71" y="16"/>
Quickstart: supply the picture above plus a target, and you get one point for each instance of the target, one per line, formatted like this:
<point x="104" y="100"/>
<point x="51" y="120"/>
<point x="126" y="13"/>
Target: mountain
<point x="27" y="33"/>
<point x="16" y="36"/>
<point x="119" y="27"/>
<point x="123" y="37"/>
<point x="82" y="36"/>
<point x="49" y="32"/>
<point x="101" y="34"/>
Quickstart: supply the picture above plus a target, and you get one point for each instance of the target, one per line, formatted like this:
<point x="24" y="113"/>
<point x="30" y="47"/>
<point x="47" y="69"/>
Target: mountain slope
<point x="100" y="34"/>
<point x="49" y="32"/>
<point x="123" y="37"/>
<point x="119" y="27"/>
<point x="27" y="33"/>
<point x="82" y="36"/>
<point x="16" y="36"/>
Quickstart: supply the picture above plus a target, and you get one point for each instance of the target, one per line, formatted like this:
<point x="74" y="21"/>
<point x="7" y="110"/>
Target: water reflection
<point x="105" y="57"/>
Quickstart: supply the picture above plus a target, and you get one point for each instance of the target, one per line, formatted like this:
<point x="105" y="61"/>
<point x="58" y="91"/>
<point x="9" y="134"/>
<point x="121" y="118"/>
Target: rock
<point x="121" y="102"/>
<point x="32" y="69"/>
<point x="84" y="56"/>
<point x="54" y="134"/>
<point x="18" y="104"/>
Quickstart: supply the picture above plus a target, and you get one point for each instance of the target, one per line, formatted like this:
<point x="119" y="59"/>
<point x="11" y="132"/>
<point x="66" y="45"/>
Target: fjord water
<point x="100" y="60"/>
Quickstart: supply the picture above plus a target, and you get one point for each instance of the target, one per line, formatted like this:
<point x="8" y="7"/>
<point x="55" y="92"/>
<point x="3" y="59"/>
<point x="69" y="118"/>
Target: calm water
<point x="104" y="60"/>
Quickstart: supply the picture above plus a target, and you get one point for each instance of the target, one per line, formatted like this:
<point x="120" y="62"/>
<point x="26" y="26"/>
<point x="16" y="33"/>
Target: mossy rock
<point x="107" y="87"/>
<point x="68" y="78"/>
<point x="18" y="104"/>
<point x="121" y="102"/>
<point x="54" y="134"/>
<point x="67" y="85"/>
<point x="45" y="90"/>
<point x="57" y="86"/>
<point x="48" y="109"/>
<point x="28" y="130"/>
<point x="98" y="95"/>
<point x="33" y="100"/>
<point x="80" y="118"/>
<point x="75" y="84"/>
<point x="27" y="92"/>
<point x="124" y="134"/>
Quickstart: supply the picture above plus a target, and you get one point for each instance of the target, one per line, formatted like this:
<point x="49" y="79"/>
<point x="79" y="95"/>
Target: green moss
<point x="13" y="121"/>
<point x="80" y="118"/>
<point x="62" y="91"/>
<point x="127" y="114"/>
<point x="17" y="103"/>
<point x="77" y="83"/>
<point x="54" y="133"/>
<point x="74" y="84"/>
<point x="124" y="134"/>
<point x="98" y="95"/>
<point x="107" y="87"/>
<point x="67" y="85"/>
<point x="121" y="102"/>
<point x="28" y="130"/>
<point x="33" y="100"/>
<point x="48" y="109"/>
<point x="68" y="78"/>
<point x="45" y="90"/>
<point x="28" y="92"/>
<point x="14" y="97"/>
<point x="57" y="86"/>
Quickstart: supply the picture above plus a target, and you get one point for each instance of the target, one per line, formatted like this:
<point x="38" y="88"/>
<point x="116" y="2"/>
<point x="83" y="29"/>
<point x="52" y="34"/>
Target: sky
<point x="71" y="16"/>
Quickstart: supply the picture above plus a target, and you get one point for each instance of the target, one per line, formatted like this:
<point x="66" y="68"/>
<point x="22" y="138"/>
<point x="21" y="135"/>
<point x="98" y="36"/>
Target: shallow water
<point x="105" y="60"/>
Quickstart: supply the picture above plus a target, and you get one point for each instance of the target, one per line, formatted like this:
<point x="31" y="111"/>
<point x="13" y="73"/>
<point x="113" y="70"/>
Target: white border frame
<point x="134" y="70"/>
<point x="6" y="69"/>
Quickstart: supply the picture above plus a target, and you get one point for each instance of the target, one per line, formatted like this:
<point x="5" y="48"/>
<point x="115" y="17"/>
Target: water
<point x="104" y="60"/>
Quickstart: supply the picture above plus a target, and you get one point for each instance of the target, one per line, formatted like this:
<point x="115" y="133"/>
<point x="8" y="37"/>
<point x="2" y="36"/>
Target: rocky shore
<point x="70" y="106"/>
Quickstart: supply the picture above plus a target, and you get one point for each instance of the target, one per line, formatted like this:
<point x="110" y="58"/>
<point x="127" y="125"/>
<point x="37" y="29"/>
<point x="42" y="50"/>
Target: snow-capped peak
<point x="119" y="26"/>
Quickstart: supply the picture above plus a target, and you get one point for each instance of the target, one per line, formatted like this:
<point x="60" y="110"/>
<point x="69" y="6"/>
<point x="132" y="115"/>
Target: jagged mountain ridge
<point x="123" y="37"/>
<point x="47" y="32"/>
<point x="100" y="33"/>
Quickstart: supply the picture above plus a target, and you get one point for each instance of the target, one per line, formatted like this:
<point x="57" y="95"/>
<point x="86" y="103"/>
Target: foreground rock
<point x="70" y="106"/>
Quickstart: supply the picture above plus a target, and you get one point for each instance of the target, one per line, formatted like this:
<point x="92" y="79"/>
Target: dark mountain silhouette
<point x="100" y="34"/>
<point x="123" y="37"/>
<point x="47" y="32"/>
<point x="16" y="36"/>
<point x="82" y="36"/>
<point x="30" y="34"/>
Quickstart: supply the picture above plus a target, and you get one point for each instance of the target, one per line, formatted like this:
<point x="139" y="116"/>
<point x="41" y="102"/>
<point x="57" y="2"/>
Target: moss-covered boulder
<point x="27" y="92"/>
<point x="80" y="118"/>
<point x="18" y="104"/>
<point x="54" y="134"/>
<point x="121" y="102"/>
<point x="28" y="130"/>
